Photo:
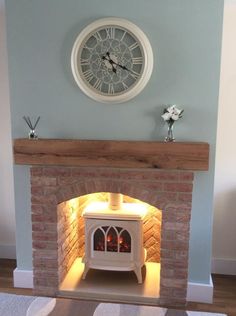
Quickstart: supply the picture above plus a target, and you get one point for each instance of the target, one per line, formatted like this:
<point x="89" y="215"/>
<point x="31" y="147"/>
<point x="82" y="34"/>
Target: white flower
<point x="166" y="116"/>
<point x="177" y="111"/>
<point x="171" y="109"/>
<point x="175" y="117"/>
<point x="172" y="113"/>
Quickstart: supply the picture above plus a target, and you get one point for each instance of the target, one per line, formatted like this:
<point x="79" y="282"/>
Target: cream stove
<point x="114" y="236"/>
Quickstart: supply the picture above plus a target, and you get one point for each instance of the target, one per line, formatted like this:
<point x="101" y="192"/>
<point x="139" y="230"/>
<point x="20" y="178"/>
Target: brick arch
<point x="140" y="192"/>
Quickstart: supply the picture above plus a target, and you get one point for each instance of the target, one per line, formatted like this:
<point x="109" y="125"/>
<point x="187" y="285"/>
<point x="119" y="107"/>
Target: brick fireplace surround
<point x="157" y="173"/>
<point x="54" y="250"/>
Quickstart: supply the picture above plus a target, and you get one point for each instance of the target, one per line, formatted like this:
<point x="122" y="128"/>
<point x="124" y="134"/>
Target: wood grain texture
<point x="107" y="153"/>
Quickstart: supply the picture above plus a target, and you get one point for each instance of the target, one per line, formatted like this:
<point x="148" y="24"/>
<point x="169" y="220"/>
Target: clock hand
<point x="110" y="61"/>
<point x="113" y="62"/>
<point x="123" y="67"/>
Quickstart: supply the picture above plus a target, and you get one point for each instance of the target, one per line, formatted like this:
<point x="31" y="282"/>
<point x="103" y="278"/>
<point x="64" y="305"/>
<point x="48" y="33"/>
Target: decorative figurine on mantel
<point x="170" y="115"/>
<point x="32" y="134"/>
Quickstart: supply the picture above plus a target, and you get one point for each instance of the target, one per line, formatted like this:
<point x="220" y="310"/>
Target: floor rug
<point x="19" y="305"/>
<point x="67" y="307"/>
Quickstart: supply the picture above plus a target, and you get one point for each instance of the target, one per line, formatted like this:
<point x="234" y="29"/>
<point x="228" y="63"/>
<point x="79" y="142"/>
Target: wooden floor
<point x="224" y="290"/>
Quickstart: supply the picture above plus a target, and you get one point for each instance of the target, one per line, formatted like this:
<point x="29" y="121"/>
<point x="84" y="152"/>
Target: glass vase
<point x="170" y="135"/>
<point x="32" y="134"/>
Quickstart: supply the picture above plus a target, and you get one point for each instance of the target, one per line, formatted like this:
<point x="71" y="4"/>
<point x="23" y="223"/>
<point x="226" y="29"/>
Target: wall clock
<point x="112" y="60"/>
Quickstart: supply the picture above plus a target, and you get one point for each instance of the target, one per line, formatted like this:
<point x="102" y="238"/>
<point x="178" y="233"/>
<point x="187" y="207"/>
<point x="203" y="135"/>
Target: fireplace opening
<point x="108" y="236"/>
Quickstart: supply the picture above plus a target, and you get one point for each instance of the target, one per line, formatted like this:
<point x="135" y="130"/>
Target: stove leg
<point x="86" y="268"/>
<point x="138" y="272"/>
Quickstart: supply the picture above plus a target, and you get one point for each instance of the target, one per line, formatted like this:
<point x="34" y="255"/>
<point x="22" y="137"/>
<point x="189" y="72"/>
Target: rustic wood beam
<point x="110" y="153"/>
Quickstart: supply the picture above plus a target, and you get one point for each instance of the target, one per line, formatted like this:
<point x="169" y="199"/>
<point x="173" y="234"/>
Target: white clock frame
<point x="147" y="56"/>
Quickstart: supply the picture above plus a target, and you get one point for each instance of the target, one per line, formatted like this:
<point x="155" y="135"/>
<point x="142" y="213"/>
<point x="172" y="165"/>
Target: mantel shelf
<point x="110" y="153"/>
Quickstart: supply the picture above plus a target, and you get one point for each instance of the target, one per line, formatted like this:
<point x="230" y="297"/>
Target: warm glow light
<point x="73" y="206"/>
<point x="120" y="240"/>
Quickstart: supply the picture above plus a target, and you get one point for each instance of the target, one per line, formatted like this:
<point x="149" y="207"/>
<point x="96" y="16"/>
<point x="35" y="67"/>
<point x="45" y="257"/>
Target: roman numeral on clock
<point x="125" y="86"/>
<point x="98" y="84"/>
<point x="134" y="74"/>
<point x="88" y="75"/>
<point x="98" y="37"/>
<point x="111" y="89"/>
<point x="134" y="45"/>
<point x="137" y="60"/>
<point x="110" y="32"/>
<point x="84" y="62"/>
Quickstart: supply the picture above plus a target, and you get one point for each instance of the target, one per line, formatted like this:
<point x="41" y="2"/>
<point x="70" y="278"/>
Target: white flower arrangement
<point x="172" y="114"/>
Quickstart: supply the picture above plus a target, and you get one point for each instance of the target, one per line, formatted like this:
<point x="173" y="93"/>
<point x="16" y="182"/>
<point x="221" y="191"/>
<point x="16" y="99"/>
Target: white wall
<point x="7" y="212"/>
<point x="224" y="228"/>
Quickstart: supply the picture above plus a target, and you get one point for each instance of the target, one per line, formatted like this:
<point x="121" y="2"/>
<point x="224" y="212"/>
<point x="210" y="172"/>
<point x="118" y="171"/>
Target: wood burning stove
<point x="114" y="236"/>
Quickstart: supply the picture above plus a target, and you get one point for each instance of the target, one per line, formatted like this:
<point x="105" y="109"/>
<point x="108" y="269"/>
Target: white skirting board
<point x="23" y="278"/>
<point x="197" y="292"/>
<point x="200" y="292"/>
<point x="7" y="252"/>
<point x="223" y="266"/>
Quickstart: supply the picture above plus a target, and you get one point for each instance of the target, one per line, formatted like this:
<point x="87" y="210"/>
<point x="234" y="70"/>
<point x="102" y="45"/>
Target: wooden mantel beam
<point x="110" y="153"/>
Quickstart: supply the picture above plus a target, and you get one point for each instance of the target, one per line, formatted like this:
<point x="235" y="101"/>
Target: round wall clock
<point x="112" y="60"/>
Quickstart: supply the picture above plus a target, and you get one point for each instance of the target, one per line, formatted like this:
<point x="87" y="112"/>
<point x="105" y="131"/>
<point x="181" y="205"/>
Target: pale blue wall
<point x="186" y="39"/>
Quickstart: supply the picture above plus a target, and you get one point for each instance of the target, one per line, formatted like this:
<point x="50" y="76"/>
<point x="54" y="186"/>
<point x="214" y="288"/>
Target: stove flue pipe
<point x="115" y="201"/>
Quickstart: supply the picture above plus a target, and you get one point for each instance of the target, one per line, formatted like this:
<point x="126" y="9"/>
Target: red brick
<point x="166" y="291"/>
<point x="175" y="226"/>
<point x="45" y="274"/>
<point x="173" y="283"/>
<point x="42" y="263"/>
<point x="185" y="197"/>
<point x="45" y="254"/>
<point x="178" y="217"/>
<point x="181" y="255"/>
<point x="178" y="187"/>
<point x="43" y="199"/>
<point x="181" y="293"/>
<point x="168" y="273"/>
<point x="84" y="172"/>
<point x="169" y="235"/>
<point x="37" y="190"/>
<point x="186" y="176"/>
<point x="166" y="196"/>
<point x="44" y="181"/>
<point x="167" y="176"/>
<point x="45" y="291"/>
<point x="67" y="193"/>
<point x="57" y="171"/>
<point x="50" y="190"/>
<point x="175" y="245"/>
<point x="52" y="282"/>
<point x="155" y="186"/>
<point x="44" y="245"/>
<point x="180" y="273"/>
<point x="48" y="236"/>
<point x="36" y="171"/>
<point x="64" y="181"/>
<point x="45" y="218"/>
<point x="44" y="227"/>
<point x="173" y="264"/>
<point x="37" y="209"/>
<point x="110" y="173"/>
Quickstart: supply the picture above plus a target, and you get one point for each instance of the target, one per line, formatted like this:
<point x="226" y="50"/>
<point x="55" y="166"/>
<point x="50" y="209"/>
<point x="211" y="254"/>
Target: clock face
<point x="112" y="60"/>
